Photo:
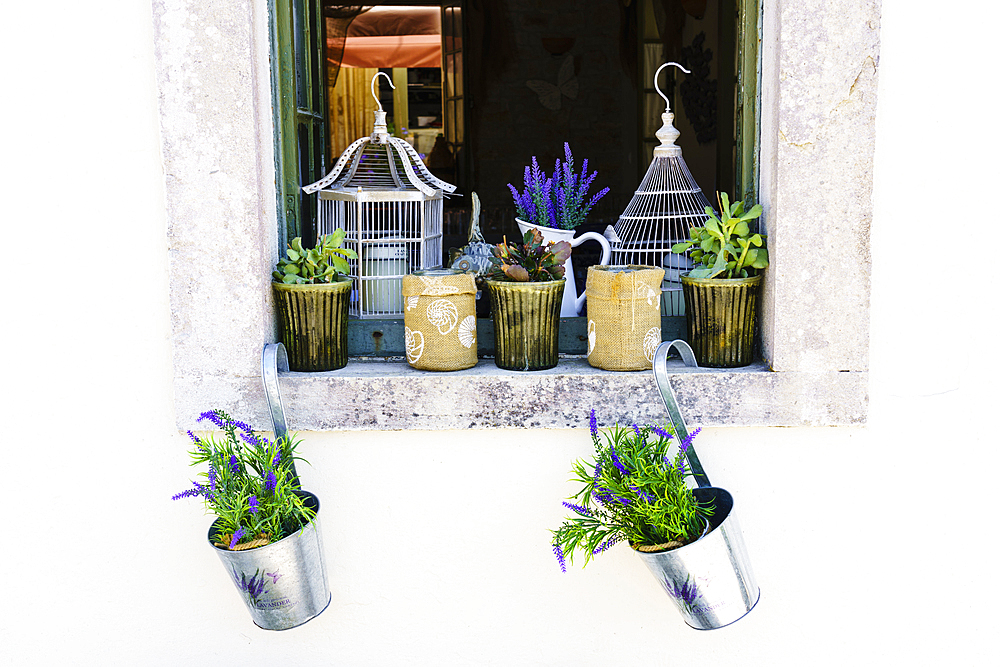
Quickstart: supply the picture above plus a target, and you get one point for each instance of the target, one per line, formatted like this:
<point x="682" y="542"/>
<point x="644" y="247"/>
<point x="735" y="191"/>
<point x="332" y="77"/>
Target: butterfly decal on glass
<point x="551" y="95"/>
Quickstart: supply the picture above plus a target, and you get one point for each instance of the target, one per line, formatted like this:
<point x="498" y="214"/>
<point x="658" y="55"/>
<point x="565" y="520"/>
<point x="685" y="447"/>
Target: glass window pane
<point x="652" y="110"/>
<point x="448" y="29"/>
<point x="449" y="75"/>
<point x="649" y="28"/>
<point x="652" y="58"/>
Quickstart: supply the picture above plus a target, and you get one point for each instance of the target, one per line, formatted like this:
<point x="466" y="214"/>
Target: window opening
<point x="492" y="121"/>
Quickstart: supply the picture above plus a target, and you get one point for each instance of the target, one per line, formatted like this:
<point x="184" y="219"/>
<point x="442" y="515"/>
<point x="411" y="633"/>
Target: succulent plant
<point x="726" y="248"/>
<point x="529" y="261"/>
<point x="323" y="264"/>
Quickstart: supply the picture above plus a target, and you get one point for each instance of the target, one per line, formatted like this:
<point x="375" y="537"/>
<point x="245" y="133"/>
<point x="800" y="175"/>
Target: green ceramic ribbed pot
<point x="526" y="323"/>
<point x="721" y="316"/>
<point x="312" y="324"/>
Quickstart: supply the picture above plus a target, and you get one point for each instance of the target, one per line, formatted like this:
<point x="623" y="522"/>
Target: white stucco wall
<point x="870" y="543"/>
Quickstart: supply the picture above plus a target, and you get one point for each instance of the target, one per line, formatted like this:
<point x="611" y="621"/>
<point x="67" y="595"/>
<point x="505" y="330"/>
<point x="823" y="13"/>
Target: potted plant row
<point x="722" y="290"/>
<point x="266" y="531"/>
<point x="312" y="296"/>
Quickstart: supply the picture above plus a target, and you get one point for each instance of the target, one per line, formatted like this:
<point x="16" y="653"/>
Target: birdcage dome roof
<point x="372" y="165"/>
<point x="381" y="163"/>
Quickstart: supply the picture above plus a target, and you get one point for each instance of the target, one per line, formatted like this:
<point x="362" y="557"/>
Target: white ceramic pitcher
<point x="571" y="303"/>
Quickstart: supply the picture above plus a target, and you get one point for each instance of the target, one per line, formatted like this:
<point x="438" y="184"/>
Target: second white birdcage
<point x="392" y="210"/>
<point x="666" y="205"/>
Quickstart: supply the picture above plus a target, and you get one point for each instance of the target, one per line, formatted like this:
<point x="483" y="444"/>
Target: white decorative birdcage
<point x="392" y="210"/>
<point x="666" y="205"/>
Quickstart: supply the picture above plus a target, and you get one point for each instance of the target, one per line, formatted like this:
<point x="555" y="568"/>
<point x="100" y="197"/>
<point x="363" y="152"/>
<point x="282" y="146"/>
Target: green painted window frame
<point x="298" y="85"/>
<point x="748" y="73"/>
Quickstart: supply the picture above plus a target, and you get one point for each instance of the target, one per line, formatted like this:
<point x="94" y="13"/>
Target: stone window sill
<point x="381" y="394"/>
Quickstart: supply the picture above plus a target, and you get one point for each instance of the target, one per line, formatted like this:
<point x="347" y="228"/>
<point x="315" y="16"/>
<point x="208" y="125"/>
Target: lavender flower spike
<point x="593" y="423"/>
<point x="607" y="544"/>
<point x="189" y="493"/>
<point x="662" y="433"/>
<point x="688" y="440"/>
<point x="271" y="482"/>
<point x="254" y="505"/>
<point x="645" y="496"/>
<point x="618" y="464"/>
<point x="557" y="550"/>
<point x="579" y="509"/>
<point x="242" y="426"/>
<point x="237" y="536"/>
<point x="212" y="417"/>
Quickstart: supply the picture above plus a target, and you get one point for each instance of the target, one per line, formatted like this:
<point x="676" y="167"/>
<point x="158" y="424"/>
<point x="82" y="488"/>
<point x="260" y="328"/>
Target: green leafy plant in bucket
<point x="325" y="263"/>
<point x="529" y="261"/>
<point x="634" y="490"/>
<point x="726" y="247"/>
<point x="249" y="484"/>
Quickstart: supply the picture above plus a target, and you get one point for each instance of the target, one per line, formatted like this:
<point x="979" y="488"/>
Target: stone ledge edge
<point x="391" y="396"/>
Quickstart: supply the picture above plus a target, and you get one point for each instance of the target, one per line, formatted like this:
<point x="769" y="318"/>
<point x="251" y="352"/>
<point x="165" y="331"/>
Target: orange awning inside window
<point x="392" y="36"/>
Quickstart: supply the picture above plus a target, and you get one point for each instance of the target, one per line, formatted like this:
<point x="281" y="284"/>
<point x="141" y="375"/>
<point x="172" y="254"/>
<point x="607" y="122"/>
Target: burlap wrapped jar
<point x="439" y="314"/>
<point x="623" y="316"/>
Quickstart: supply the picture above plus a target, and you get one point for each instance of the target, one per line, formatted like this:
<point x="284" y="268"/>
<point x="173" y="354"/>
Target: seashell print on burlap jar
<point x="623" y="316"/>
<point x="439" y="316"/>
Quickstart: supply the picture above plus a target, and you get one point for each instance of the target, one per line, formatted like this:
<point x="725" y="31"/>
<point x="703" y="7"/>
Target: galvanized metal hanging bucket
<point x="283" y="584"/>
<point x="710" y="581"/>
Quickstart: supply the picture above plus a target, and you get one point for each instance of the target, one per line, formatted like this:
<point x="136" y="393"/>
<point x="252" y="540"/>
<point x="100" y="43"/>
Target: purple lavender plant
<point x="250" y="484"/>
<point x="633" y="491"/>
<point x="558" y="201"/>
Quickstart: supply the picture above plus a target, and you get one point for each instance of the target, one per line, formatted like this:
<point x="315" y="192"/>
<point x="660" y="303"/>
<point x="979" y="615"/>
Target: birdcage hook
<point x="657" y="76"/>
<point x="387" y="78"/>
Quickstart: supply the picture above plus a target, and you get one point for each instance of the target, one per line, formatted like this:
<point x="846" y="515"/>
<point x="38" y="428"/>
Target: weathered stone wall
<point x="818" y="144"/>
<point x="216" y="129"/>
